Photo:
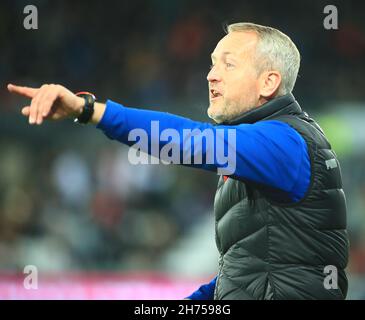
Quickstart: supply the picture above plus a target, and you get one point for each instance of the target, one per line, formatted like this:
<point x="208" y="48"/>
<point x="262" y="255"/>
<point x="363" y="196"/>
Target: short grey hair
<point x="274" y="51"/>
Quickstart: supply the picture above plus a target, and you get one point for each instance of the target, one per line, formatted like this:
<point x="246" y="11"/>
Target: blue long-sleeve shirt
<point x="269" y="153"/>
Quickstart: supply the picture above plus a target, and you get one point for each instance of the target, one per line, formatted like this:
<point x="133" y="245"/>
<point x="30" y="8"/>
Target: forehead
<point x="237" y="42"/>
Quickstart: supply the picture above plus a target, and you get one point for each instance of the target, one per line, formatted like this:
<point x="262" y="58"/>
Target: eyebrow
<point x="225" y="53"/>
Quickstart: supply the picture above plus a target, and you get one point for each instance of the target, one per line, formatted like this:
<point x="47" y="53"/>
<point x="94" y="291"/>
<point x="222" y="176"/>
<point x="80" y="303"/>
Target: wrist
<point x="79" y="105"/>
<point x="87" y="109"/>
<point x="99" y="110"/>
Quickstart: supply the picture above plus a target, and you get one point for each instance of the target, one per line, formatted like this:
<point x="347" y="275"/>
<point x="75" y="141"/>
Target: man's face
<point x="233" y="80"/>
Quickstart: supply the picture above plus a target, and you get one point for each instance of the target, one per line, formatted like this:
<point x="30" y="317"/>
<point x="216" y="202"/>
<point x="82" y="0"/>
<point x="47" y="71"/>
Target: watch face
<point x="84" y="93"/>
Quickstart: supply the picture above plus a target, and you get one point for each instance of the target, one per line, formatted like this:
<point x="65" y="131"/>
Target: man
<point x="281" y="215"/>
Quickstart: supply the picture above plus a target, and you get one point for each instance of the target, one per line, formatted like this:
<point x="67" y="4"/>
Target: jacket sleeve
<point x="270" y="152"/>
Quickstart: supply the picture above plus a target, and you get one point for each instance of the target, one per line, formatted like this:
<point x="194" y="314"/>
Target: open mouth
<point x="214" y="94"/>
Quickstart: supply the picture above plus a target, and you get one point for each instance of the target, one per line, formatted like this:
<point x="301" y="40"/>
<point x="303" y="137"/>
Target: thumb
<point x="26" y="111"/>
<point x="23" y="91"/>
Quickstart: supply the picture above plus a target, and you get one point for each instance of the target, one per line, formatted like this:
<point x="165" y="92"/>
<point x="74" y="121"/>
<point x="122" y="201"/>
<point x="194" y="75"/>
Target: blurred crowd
<point x="70" y="210"/>
<point x="69" y="199"/>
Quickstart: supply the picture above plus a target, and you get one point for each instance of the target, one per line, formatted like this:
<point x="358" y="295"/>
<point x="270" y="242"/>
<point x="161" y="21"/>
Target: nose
<point x="213" y="75"/>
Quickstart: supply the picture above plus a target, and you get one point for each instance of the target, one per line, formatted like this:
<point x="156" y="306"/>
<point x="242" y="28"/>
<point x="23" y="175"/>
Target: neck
<point x="282" y="104"/>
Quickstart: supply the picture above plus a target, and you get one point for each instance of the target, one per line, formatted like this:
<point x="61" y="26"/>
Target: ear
<point x="269" y="83"/>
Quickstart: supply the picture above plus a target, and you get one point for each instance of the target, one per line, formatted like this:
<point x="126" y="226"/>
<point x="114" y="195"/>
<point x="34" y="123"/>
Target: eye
<point x="229" y="65"/>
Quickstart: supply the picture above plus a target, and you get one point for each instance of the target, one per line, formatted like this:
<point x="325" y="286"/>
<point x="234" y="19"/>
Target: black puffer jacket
<point x="274" y="250"/>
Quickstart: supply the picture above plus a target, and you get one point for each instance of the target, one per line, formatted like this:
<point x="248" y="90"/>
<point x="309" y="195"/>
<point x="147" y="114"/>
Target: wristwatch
<point x="88" y="109"/>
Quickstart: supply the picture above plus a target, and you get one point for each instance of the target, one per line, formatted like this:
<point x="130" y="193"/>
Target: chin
<point x="218" y="118"/>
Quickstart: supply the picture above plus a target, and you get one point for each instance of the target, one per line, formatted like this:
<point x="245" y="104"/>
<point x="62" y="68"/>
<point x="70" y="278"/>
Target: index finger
<point x="24" y="91"/>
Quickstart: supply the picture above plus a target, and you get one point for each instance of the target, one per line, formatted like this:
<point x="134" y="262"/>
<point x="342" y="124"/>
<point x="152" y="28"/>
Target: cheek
<point x="244" y="87"/>
<point x="239" y="89"/>
<point x="241" y="85"/>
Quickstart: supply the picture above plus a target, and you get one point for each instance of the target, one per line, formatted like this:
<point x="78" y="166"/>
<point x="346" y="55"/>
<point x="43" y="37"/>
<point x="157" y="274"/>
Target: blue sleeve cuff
<point x="205" y="292"/>
<point x="113" y="121"/>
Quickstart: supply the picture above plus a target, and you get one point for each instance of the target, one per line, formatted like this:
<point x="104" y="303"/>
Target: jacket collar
<point x="278" y="106"/>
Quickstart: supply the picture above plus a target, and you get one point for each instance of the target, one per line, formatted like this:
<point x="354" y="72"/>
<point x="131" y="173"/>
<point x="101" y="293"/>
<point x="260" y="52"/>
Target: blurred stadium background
<point x="70" y="202"/>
